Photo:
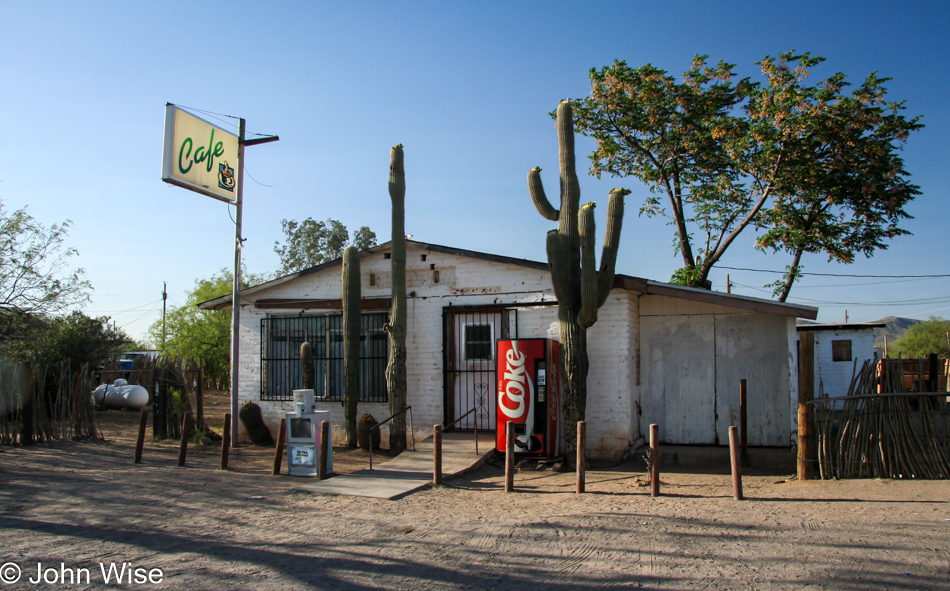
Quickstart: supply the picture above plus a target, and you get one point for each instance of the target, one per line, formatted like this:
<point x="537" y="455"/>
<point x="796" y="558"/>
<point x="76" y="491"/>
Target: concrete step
<point x="770" y="458"/>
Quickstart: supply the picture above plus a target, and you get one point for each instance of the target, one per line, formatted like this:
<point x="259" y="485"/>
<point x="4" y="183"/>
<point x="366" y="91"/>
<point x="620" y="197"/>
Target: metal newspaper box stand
<point x="303" y="436"/>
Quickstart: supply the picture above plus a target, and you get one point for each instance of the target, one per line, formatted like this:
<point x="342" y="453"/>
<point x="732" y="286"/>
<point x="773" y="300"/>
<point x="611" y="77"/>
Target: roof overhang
<point x="627" y="282"/>
<point x="841" y="326"/>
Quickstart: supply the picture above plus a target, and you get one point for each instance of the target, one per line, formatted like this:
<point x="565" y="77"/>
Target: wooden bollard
<point x="324" y="447"/>
<point x="185" y="436"/>
<point x="806" y="417"/>
<point x="140" y="442"/>
<point x="281" y="440"/>
<point x="743" y="425"/>
<point x="226" y="444"/>
<point x="654" y="460"/>
<point x="509" y="457"/>
<point x="736" y="468"/>
<point x="437" y="454"/>
<point x="581" y="456"/>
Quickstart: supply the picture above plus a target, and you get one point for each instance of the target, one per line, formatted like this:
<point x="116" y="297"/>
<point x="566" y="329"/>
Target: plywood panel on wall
<point x="748" y="347"/>
<point x="679" y="380"/>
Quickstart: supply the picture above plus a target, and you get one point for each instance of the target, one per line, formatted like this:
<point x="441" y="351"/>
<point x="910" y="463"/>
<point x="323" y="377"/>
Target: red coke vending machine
<point x="529" y="395"/>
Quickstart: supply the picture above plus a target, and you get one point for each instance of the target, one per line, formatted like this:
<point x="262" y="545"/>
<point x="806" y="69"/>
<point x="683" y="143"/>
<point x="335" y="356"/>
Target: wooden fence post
<point x="932" y="373"/>
<point x="226" y="443"/>
<point x="509" y="457"/>
<point x="324" y="448"/>
<point x="79" y="404"/>
<point x="437" y="454"/>
<point x="185" y="436"/>
<point x="200" y="398"/>
<point x="736" y="468"/>
<point x="581" y="456"/>
<point x="806" y="390"/>
<point x="743" y="424"/>
<point x="654" y="460"/>
<point x="281" y="440"/>
<point x="140" y="442"/>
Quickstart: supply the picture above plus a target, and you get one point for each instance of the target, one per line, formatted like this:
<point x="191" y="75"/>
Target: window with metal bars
<point x="281" y="337"/>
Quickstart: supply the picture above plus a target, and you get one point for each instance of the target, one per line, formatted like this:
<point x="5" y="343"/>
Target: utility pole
<point x="236" y="286"/>
<point x="164" y="301"/>
<point x="178" y="169"/>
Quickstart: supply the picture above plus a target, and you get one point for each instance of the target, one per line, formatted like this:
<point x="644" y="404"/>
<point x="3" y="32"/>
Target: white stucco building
<point x="840" y="350"/>
<point x="659" y="353"/>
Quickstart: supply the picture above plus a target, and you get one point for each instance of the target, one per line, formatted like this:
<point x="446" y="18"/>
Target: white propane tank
<point x="120" y="395"/>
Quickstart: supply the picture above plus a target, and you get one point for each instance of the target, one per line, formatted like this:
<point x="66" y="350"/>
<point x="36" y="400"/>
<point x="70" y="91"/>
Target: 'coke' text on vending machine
<point x="529" y="395"/>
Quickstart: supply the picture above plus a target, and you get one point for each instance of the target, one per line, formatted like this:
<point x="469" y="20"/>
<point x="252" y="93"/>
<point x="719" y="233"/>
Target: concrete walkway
<point x="410" y="470"/>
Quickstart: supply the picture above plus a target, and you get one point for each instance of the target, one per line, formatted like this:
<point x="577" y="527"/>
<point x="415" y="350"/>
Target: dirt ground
<point x="76" y="505"/>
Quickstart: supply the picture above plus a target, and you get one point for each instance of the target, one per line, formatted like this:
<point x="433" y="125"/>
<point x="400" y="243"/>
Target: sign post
<point x="197" y="157"/>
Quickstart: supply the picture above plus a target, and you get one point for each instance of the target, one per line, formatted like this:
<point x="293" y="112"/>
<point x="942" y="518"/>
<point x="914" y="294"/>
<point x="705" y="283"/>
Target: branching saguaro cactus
<point x="579" y="287"/>
<point x="396" y="369"/>
<point x="307" y="369"/>
<point x="352" y="318"/>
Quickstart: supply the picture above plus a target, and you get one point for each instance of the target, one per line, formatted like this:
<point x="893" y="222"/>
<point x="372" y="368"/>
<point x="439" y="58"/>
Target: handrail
<point x="460" y="418"/>
<point x="476" y="426"/>
<point x="378" y="425"/>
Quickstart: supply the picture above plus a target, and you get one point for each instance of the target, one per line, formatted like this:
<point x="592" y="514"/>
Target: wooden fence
<point x="880" y="430"/>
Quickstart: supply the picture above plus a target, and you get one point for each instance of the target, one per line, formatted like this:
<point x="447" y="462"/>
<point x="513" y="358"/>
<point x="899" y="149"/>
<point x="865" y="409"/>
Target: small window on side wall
<point x="479" y="342"/>
<point x="841" y="350"/>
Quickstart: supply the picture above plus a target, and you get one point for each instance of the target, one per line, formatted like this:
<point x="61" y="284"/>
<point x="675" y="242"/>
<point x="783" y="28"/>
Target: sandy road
<point x="82" y="504"/>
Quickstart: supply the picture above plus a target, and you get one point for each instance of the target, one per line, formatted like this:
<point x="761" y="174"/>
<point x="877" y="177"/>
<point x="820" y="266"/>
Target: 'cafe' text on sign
<point x="199" y="156"/>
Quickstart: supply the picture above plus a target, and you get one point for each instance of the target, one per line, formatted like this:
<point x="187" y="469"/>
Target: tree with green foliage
<point x="922" y="339"/>
<point x="76" y="338"/>
<point x="309" y="243"/>
<point x="815" y="169"/>
<point x="203" y="335"/>
<point x="35" y="278"/>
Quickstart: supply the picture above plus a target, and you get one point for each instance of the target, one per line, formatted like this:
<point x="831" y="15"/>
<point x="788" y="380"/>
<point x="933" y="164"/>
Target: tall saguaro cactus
<point x="396" y="369"/>
<point x="352" y="318"/>
<point x="306" y="366"/>
<point x="579" y="287"/>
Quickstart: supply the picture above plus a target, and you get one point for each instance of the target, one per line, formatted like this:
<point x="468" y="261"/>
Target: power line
<point x="916" y="302"/>
<point x="218" y="116"/>
<point x="837" y="274"/>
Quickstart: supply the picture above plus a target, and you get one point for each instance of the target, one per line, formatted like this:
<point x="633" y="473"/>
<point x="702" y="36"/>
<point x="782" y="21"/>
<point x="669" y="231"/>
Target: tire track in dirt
<point x="485" y="544"/>
<point x="568" y="565"/>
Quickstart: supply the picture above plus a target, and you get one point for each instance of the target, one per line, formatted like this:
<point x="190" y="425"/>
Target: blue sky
<point x="466" y="87"/>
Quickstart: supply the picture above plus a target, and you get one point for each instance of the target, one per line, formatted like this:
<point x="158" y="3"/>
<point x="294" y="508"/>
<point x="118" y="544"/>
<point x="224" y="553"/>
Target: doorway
<point x="469" y="338"/>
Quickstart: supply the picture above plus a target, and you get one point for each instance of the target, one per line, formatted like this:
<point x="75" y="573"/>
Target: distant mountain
<point x="895" y="328"/>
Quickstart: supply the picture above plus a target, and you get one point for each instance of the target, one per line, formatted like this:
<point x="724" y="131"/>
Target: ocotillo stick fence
<point x="880" y="431"/>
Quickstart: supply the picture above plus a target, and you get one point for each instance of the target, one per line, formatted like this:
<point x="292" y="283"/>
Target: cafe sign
<point x="199" y="156"/>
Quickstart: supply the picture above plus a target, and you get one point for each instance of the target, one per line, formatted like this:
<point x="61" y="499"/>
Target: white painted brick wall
<point x="612" y="392"/>
<point x="463" y="282"/>
<point x="613" y="386"/>
<point x="836" y="375"/>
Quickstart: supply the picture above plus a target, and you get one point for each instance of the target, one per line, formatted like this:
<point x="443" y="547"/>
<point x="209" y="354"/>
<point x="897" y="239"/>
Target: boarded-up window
<point x="841" y="350"/>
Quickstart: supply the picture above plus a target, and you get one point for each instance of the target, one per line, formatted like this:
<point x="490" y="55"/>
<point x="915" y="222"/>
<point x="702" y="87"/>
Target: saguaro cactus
<point x="306" y="366"/>
<point x="351" y="341"/>
<point x="396" y="369"/>
<point x="579" y="287"/>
